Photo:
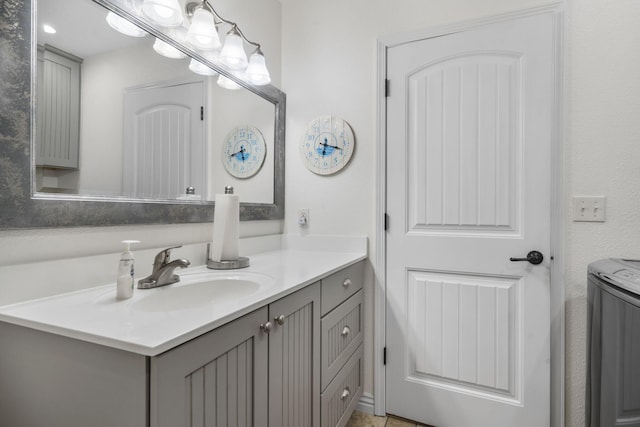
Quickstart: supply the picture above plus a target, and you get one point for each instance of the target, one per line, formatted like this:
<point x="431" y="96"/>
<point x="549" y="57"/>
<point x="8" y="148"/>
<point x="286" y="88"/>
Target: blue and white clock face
<point x="243" y="151"/>
<point x="327" y="145"/>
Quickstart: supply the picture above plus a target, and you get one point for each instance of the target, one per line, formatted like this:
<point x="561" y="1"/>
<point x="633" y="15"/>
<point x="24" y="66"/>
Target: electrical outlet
<point x="589" y="208"/>
<point x="303" y="217"/>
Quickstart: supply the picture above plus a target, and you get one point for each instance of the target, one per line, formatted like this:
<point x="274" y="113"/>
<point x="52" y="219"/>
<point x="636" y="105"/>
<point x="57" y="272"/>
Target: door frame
<point x="557" y="213"/>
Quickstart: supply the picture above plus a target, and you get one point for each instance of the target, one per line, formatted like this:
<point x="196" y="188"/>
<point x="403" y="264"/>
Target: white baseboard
<point x="365" y="404"/>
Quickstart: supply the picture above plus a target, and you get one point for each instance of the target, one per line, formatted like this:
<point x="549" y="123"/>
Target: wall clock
<point x="327" y="145"/>
<point x="243" y="151"/>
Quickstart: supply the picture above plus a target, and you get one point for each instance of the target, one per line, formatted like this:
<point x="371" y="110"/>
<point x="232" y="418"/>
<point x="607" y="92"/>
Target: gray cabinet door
<point x="58" y="120"/>
<point x="294" y="360"/>
<point x="218" y="379"/>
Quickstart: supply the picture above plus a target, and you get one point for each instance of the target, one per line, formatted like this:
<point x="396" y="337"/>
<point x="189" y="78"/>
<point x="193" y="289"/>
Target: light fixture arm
<point x="234" y="26"/>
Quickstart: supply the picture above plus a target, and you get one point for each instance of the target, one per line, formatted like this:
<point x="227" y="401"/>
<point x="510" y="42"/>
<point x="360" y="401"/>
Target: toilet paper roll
<point x="226" y="225"/>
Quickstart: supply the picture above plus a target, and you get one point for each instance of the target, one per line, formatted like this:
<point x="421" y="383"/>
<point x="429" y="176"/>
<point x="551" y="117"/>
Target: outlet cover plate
<point x="303" y="217"/>
<point x="589" y="208"/>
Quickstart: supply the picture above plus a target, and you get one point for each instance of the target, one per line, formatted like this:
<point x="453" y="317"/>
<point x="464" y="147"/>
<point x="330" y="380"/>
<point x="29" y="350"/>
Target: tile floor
<point x="360" y="419"/>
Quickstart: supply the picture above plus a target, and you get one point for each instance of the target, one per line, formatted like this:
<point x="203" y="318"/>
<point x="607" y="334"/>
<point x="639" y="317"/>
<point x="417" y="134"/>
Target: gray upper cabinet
<point x="58" y="120"/>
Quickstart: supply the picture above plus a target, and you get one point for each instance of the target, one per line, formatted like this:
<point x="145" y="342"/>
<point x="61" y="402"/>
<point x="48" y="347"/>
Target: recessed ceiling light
<point x="48" y="29"/>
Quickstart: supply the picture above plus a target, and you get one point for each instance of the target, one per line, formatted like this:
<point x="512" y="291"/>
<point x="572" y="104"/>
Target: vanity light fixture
<point x="123" y="26"/>
<point x="48" y="29"/>
<point x="165" y="49"/>
<point x="202" y="33"/>
<point x="167" y="13"/>
<point x="257" y="72"/>
<point x="232" y="54"/>
<point x="199" y="68"/>
<point x="227" y="83"/>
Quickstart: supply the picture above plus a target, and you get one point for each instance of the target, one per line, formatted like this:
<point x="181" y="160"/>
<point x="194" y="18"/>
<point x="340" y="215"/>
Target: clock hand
<point x="332" y="146"/>
<point x="324" y="146"/>
<point x="241" y="151"/>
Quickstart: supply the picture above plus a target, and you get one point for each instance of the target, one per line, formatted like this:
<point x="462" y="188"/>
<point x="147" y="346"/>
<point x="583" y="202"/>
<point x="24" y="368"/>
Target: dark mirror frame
<point x="20" y="208"/>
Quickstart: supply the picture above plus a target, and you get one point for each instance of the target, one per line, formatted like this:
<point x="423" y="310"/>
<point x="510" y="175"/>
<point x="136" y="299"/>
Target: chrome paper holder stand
<point x="241" y="262"/>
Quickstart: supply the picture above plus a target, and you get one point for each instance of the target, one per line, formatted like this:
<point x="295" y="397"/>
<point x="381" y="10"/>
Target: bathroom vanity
<point x="286" y="352"/>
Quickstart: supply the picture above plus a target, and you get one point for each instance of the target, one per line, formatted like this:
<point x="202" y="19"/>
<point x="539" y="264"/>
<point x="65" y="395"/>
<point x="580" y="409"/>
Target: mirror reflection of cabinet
<point x="58" y="108"/>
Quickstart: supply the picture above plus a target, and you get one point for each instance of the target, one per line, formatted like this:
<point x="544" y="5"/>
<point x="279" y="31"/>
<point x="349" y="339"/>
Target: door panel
<point x="164" y="146"/>
<point x="469" y="121"/>
<point x="463" y="128"/>
<point x="465" y="334"/>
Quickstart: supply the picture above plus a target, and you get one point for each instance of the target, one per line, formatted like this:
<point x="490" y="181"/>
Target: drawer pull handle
<point x="345" y="393"/>
<point x="280" y="319"/>
<point x="266" y="327"/>
<point x="346" y="283"/>
<point x="345" y="331"/>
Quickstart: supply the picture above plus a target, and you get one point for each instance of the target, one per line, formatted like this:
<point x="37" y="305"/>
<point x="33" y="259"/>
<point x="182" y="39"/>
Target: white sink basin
<point x="201" y="290"/>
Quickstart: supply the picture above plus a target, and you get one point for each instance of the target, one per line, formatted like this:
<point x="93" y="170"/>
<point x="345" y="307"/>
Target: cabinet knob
<point x="266" y="327"/>
<point x="345" y="331"/>
<point x="346" y="283"/>
<point x="280" y="319"/>
<point x="345" y="393"/>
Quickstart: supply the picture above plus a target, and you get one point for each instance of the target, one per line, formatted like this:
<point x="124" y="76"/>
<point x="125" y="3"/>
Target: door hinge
<point x="384" y="356"/>
<point x="386" y="221"/>
<point x="387" y="85"/>
<point x="201" y="113"/>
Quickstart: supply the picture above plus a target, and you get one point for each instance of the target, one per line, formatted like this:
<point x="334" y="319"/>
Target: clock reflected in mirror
<point x="327" y="145"/>
<point x="243" y="151"/>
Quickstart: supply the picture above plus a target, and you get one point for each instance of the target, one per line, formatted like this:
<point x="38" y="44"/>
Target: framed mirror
<point x="105" y="185"/>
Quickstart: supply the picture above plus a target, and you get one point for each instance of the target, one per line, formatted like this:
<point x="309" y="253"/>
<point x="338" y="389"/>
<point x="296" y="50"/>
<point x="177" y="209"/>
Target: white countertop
<point x="96" y="316"/>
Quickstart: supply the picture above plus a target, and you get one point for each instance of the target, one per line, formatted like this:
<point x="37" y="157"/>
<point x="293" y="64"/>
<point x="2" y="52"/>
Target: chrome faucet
<point x="162" y="273"/>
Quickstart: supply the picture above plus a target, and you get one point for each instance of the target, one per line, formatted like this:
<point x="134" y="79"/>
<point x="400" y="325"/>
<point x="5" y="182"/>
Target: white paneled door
<point x="164" y="144"/>
<point x="469" y="131"/>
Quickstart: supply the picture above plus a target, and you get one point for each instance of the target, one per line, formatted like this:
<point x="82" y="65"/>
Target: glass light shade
<point x="123" y="26"/>
<point x="202" y="33"/>
<point x="226" y="83"/>
<point x="163" y="12"/>
<point x="199" y="68"/>
<point x="167" y="50"/>
<point x="257" y="72"/>
<point x="233" y="54"/>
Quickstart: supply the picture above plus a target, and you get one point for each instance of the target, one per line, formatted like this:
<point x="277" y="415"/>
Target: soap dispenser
<point x="124" y="287"/>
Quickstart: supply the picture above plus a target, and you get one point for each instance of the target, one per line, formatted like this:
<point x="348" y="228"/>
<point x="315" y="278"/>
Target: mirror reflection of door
<point x="164" y="148"/>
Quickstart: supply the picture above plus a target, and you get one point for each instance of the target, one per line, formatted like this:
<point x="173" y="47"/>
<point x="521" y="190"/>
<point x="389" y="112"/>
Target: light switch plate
<point x="587" y="208"/>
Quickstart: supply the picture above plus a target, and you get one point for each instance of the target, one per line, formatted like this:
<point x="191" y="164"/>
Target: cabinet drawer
<point x="341" y="396"/>
<point x="340" y="286"/>
<point x="341" y="335"/>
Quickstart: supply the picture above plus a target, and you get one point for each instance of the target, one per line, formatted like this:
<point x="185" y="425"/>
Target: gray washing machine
<point x="613" y="343"/>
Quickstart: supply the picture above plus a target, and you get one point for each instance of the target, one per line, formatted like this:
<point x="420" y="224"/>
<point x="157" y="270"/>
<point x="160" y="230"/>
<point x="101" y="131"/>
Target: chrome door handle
<point x="534" y="257"/>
